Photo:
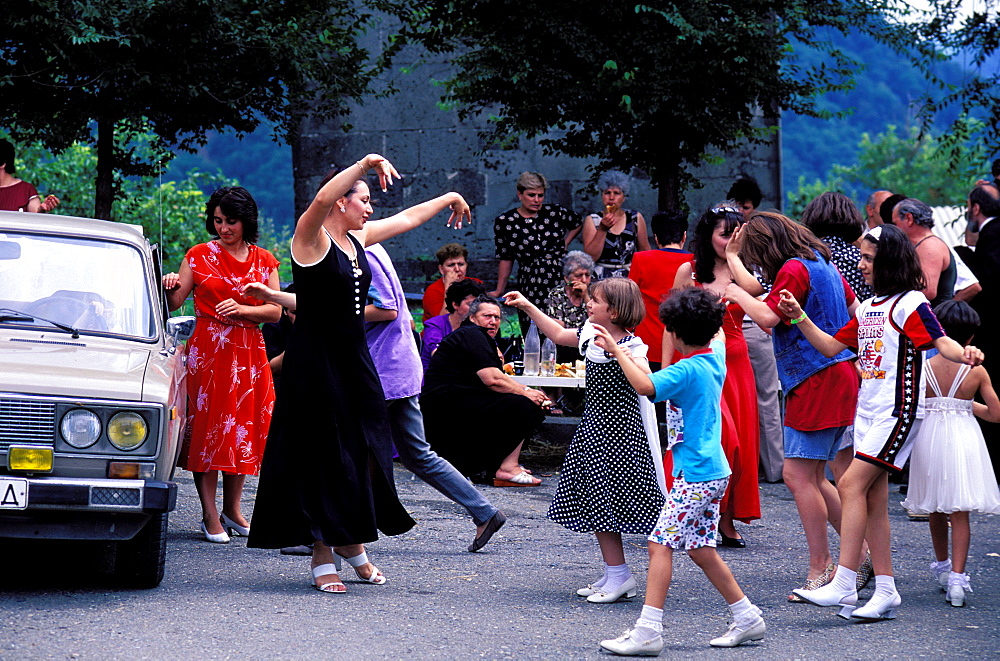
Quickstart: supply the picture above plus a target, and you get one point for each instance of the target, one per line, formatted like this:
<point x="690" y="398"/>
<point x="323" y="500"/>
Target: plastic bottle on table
<point x="532" y="351"/>
<point x="548" y="367"/>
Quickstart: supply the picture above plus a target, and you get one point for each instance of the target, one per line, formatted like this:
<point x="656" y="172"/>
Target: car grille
<point x="26" y="421"/>
<point x="115" y="497"/>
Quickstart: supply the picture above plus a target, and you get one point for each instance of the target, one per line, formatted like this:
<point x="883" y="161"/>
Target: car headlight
<point x="80" y="428"/>
<point x="127" y="430"/>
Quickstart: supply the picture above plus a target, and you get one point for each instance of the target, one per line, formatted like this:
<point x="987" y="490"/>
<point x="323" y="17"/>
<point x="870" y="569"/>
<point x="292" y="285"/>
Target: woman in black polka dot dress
<point x="612" y="478"/>
<point x="535" y="236"/>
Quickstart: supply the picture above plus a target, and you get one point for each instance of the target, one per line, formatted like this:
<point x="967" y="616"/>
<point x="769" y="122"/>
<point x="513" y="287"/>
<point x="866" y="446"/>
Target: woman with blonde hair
<point x="535" y="235"/>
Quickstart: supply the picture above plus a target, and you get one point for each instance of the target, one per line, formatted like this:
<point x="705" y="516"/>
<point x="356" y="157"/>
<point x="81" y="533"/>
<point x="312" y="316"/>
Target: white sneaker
<point x="740" y="631"/>
<point x="627" y="645"/>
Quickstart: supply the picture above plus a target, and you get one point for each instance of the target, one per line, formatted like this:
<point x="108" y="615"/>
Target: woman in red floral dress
<point x="230" y="391"/>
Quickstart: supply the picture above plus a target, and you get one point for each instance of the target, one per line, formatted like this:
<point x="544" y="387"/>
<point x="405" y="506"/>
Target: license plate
<point x="13" y="493"/>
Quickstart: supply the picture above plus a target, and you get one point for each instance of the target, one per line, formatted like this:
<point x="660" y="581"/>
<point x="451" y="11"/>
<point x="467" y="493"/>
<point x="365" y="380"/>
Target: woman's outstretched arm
<point x="415" y="216"/>
<point x="546" y="324"/>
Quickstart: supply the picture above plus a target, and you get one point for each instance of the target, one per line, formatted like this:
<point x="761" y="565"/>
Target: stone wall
<point x="436" y="152"/>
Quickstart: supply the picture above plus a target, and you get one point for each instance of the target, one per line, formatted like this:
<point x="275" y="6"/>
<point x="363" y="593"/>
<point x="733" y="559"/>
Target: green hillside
<point x="884" y="94"/>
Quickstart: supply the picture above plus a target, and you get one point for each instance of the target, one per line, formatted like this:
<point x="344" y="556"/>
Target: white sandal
<point x="376" y="577"/>
<point x="325" y="570"/>
<point x="522" y="479"/>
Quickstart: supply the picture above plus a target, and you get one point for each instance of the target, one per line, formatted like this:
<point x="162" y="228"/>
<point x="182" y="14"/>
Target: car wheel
<point x="139" y="561"/>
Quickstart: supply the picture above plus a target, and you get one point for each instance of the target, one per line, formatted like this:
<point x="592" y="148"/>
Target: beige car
<point x="92" y="390"/>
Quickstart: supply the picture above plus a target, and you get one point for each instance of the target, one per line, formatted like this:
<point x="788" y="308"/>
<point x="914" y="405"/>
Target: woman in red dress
<point x="230" y="391"/>
<point x="740" y="431"/>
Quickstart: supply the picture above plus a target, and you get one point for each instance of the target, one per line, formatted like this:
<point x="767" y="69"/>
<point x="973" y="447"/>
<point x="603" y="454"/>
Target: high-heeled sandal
<point x="233" y="527"/>
<point x="813" y="583"/>
<point x="376" y="577"/>
<point x="325" y="570"/>
<point x="865" y="572"/>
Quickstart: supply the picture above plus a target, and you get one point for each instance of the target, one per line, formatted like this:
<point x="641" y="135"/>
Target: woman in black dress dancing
<point x="326" y="477"/>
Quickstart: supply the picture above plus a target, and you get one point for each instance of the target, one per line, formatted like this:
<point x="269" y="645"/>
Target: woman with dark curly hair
<point x="230" y="393"/>
<point x="740" y="429"/>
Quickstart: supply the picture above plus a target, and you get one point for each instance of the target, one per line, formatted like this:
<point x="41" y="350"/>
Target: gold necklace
<point x="355" y="268"/>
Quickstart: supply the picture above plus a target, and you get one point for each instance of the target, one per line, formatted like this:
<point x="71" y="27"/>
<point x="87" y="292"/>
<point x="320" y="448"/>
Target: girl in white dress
<point x="950" y="470"/>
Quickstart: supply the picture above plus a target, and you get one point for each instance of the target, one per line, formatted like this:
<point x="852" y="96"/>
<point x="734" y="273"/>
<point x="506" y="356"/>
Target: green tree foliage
<point x="102" y="72"/>
<point x="659" y="85"/>
<point x="939" y="170"/>
<point x="172" y="213"/>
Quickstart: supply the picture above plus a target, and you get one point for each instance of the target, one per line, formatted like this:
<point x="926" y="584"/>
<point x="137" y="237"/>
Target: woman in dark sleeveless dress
<point x="613" y="236"/>
<point x="327" y="478"/>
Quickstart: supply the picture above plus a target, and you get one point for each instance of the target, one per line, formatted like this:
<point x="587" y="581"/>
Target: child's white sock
<point x="652" y="619"/>
<point x="845" y="579"/>
<point x="940" y="566"/>
<point x="954" y="578"/>
<point x="941" y="569"/>
<point x="743" y="610"/>
<point x="739" y="607"/>
<point x="616" y="577"/>
<point x="599" y="583"/>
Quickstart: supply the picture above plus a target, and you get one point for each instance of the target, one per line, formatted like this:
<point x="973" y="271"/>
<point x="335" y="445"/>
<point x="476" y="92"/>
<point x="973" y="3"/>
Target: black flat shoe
<point x="494" y="524"/>
<point x="732" y="542"/>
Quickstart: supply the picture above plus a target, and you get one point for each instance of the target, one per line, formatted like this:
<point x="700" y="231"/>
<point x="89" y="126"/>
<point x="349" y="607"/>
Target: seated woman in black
<point x="475" y="416"/>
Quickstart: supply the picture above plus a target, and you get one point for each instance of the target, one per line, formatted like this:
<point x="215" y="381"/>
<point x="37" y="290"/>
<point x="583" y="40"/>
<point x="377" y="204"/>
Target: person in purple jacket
<point x="389" y="332"/>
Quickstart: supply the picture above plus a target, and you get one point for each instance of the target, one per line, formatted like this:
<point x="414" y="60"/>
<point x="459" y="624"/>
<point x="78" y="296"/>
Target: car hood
<point x="55" y="364"/>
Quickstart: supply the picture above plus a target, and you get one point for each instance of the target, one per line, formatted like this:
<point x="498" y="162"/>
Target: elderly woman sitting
<point x="568" y="304"/>
<point x="456" y="301"/>
<point x="475" y="416"/>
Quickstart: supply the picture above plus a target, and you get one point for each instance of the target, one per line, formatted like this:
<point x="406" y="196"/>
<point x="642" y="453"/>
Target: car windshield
<point x="90" y="285"/>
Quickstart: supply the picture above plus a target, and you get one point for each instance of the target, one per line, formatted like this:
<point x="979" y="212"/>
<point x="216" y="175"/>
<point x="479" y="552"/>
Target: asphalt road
<point x="514" y="599"/>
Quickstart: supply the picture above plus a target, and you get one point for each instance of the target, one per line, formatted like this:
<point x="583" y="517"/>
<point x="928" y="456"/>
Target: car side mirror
<point x="180" y="328"/>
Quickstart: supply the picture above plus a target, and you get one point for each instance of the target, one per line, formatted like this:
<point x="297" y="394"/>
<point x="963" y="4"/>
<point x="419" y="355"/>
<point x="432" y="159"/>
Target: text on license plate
<point x="13" y="493"/>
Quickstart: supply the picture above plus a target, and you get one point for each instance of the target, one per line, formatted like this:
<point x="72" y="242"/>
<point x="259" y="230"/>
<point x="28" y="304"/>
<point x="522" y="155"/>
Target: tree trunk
<point x="669" y="193"/>
<point x="104" y="186"/>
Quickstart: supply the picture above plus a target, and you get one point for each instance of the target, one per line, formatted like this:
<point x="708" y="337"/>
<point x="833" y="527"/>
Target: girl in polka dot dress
<point x="612" y="478"/>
